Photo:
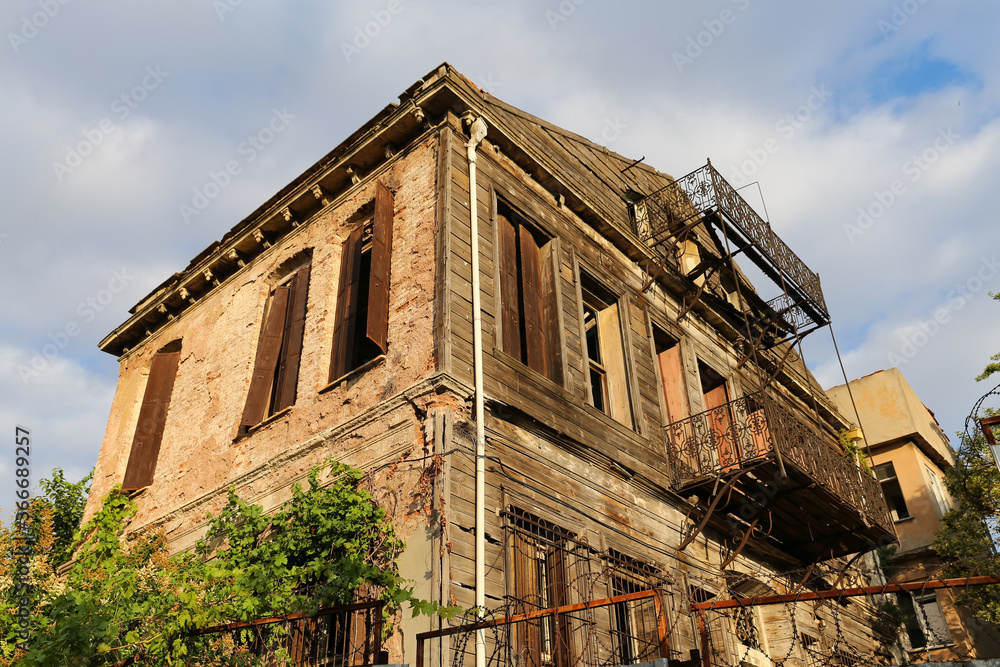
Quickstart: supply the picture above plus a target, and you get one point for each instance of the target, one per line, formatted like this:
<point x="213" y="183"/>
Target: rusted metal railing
<point x="577" y="656"/>
<point x="759" y="426"/>
<point x="704" y="192"/>
<point x="347" y="635"/>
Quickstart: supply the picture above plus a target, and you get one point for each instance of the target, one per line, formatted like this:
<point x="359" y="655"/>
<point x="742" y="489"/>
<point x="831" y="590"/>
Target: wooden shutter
<point x="531" y="286"/>
<point x="268" y="351"/>
<point x="509" y="293"/>
<point x="378" y="289"/>
<point x="346" y="314"/>
<point x="291" y="343"/>
<point x="672" y="377"/>
<point x="152" y="417"/>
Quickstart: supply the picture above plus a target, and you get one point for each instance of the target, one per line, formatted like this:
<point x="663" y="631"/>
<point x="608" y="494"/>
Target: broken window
<point x="925" y="624"/>
<point x="528" y="282"/>
<point x="672" y="385"/>
<point x="276" y="367"/>
<point x="602" y="330"/>
<point x="540" y="552"/>
<point x="893" y="493"/>
<point x="152" y="418"/>
<point x="361" y="328"/>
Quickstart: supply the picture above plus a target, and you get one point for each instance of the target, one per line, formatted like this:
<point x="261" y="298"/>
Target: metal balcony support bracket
<point x="697" y="296"/>
<point x="739" y="547"/>
<point x="726" y="488"/>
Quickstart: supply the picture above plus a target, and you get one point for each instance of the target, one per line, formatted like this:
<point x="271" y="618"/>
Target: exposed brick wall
<point x="201" y="452"/>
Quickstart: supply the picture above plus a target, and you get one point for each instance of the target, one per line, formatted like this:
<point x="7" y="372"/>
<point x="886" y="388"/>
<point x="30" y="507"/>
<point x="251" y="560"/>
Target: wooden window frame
<point x="941" y="503"/>
<point x="637" y="636"/>
<point x="716" y="395"/>
<point x="610" y="362"/>
<point x="274" y="383"/>
<point x="363" y="291"/>
<point x="145" y="450"/>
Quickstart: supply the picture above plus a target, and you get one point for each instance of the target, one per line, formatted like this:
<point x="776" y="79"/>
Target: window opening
<point x="602" y="326"/>
<point x="276" y="366"/>
<point x="528" y="284"/>
<point x="361" y="328"/>
<point x="886" y="475"/>
<point x="152" y="417"/>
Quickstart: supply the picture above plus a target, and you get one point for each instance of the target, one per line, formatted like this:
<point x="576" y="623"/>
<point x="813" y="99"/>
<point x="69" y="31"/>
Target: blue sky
<point x="881" y="120"/>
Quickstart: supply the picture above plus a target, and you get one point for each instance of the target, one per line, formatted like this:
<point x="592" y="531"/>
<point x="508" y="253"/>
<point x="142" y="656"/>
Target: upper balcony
<point x="789" y="480"/>
<point x="705" y="196"/>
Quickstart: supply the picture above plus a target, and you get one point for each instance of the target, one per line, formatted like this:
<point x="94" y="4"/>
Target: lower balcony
<point x="778" y="477"/>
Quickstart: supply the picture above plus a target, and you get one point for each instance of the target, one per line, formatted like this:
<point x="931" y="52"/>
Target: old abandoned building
<point x="910" y="455"/>
<point x="564" y="387"/>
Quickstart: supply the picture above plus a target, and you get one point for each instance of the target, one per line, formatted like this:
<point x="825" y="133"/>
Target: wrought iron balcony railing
<point x="759" y="428"/>
<point x="704" y="192"/>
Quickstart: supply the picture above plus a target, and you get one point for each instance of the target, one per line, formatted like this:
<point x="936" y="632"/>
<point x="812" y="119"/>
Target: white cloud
<point x="605" y="62"/>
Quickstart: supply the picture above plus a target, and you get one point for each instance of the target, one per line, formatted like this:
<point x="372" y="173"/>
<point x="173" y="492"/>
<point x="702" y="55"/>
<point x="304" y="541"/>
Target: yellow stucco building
<point x="910" y="455"/>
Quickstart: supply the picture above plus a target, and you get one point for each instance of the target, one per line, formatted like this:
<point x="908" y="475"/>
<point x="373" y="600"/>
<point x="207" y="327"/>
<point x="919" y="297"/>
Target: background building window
<point x="276" y="367"/>
<point x="926" y="626"/>
<point x="941" y="503"/>
<point x="152" y="418"/>
<point x="528" y="305"/>
<point x="361" y="329"/>
<point x="886" y="475"/>
<point x="602" y="329"/>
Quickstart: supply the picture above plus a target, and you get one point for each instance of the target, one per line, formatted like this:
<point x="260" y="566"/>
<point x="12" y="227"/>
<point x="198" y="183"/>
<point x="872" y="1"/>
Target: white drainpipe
<point x="477" y="132"/>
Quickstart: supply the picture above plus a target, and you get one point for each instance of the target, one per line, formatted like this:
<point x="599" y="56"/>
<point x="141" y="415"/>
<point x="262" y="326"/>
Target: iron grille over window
<point x="746" y="627"/>
<point x="540" y="555"/>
